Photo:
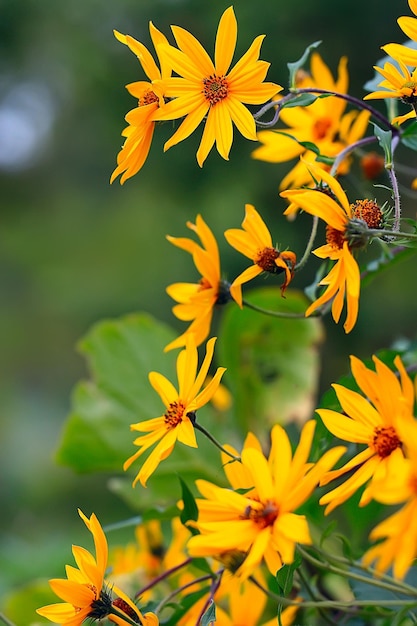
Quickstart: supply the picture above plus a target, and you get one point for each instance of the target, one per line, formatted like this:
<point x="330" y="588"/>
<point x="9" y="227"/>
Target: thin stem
<point x="309" y="244"/>
<point x="284" y="314"/>
<point x="391" y="233"/>
<point x="6" y="621"/>
<point x="396" y="192"/>
<point x="174" y="593"/>
<point x="209" y="436"/>
<point x="353" y="146"/>
<point x="162" y="576"/>
<point x="214" y="586"/>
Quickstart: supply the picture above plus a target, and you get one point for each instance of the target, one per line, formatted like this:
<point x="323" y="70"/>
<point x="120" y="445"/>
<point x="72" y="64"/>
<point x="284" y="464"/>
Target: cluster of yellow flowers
<point x="255" y="522"/>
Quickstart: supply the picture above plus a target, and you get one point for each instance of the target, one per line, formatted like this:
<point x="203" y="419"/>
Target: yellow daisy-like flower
<point x="323" y="123"/>
<point x="254" y="241"/>
<point x="150" y="97"/>
<point x="176" y="424"/>
<point x="261" y="523"/>
<point x="330" y="203"/>
<point x="399" y="531"/>
<point x="196" y="301"/>
<point x="408" y="25"/>
<point x="85" y="593"/>
<point x="398" y="83"/>
<point x="204" y="89"/>
<point x="371" y="419"/>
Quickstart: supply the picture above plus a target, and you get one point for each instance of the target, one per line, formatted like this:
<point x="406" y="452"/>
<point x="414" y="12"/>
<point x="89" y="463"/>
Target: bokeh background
<point x="75" y="250"/>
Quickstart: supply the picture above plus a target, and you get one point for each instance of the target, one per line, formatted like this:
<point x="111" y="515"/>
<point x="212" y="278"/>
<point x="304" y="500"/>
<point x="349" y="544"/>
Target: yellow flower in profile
<point x="371" y="418"/>
<point x="330" y="203"/>
<point x="398" y="548"/>
<point x="85" y="592"/>
<point x="398" y="83"/>
<point x="254" y="241"/>
<point x="323" y="123"/>
<point x="261" y="523"/>
<point x="150" y="96"/>
<point x="196" y="301"/>
<point x="408" y="25"/>
<point x="204" y="89"/>
<point x="177" y="423"/>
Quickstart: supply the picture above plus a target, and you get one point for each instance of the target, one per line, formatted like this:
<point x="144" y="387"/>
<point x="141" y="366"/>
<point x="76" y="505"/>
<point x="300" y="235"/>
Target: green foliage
<point x="209" y="616"/>
<point x="385" y="141"/>
<point x="272" y="363"/>
<point x="294" y="67"/>
<point x="409" y="136"/>
<point x="20" y="605"/>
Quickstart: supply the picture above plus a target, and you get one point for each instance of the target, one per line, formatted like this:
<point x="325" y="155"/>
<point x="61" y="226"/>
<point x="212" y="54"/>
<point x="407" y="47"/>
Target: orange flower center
<point x="368" y="211"/>
<point x="148" y="98"/>
<point x="385" y="441"/>
<point x="174" y="413"/>
<point x="266" y="260"/>
<point x="215" y="89"/>
<point x="264" y="516"/>
<point x="321" y="128"/>
<point x="335" y="237"/>
<point x="204" y="284"/>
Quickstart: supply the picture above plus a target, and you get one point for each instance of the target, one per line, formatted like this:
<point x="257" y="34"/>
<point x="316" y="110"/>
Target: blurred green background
<point x="75" y="250"/>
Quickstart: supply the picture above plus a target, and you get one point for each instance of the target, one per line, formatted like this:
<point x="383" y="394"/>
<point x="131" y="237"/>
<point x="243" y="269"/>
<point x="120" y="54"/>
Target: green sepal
<point x="209" y="616"/>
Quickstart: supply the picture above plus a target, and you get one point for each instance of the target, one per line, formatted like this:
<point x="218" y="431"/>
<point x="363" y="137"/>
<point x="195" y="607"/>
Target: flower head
<point x="324" y="124"/>
<point x="150" y="97"/>
<point x="408" y="25"/>
<point x="261" y="523"/>
<point x="196" y="301"/>
<point x="344" y="233"/>
<point x="177" y="421"/>
<point x="371" y="418"/>
<point x="204" y="89"/>
<point x="84" y="591"/>
<point x="255" y="242"/>
<point x="398" y="83"/>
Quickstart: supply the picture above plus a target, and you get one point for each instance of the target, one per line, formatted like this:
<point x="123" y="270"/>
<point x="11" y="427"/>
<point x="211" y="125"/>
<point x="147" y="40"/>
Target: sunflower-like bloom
<point x="150" y="97"/>
<point x="85" y="592"/>
<point x="196" y="301"/>
<point x="399" y="531"/>
<point x="261" y="523"/>
<point x="408" y="25"/>
<point x="323" y="123"/>
<point x="330" y="203"/>
<point x="399" y="83"/>
<point x="177" y="421"/>
<point x="204" y="88"/>
<point x="371" y="418"/>
<point x="254" y="241"/>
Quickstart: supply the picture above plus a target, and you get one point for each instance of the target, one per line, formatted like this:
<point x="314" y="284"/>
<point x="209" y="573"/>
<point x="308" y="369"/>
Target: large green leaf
<point x="120" y="354"/>
<point x="272" y="363"/>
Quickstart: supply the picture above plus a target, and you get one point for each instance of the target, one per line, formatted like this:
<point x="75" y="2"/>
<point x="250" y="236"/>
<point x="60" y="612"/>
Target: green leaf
<point x="303" y="100"/>
<point x="272" y="363"/>
<point x="385" y="141"/>
<point x="209" y="616"/>
<point x="190" y="510"/>
<point x="120" y="354"/>
<point x="285" y="576"/>
<point x="409" y="136"/>
<point x="294" y="67"/>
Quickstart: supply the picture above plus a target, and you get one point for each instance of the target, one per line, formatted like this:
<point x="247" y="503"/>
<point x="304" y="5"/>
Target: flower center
<point x="335" y="237"/>
<point x="204" y="284"/>
<point x="174" y="413"/>
<point x="385" y="441"/>
<point x="266" y="260"/>
<point x="148" y="97"/>
<point x="410" y="95"/>
<point x="264" y="516"/>
<point x="368" y="211"/>
<point x="215" y="89"/>
<point x="321" y="128"/>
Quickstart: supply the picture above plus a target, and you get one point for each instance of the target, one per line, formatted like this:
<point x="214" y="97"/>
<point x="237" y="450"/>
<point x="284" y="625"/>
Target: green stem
<point x="309" y="244"/>
<point x="6" y="621"/>
<point x="390" y="233"/>
<point x="209" y="436"/>
<point x="284" y="314"/>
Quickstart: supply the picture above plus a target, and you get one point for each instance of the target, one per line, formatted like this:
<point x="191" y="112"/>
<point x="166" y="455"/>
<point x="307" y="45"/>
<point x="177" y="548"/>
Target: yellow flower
<point x="371" y="419"/>
<point x="150" y="97"/>
<point x="177" y="421"/>
<point x="204" y="89"/>
<point x="399" y="531"/>
<point x="409" y="26"/>
<point x="398" y="83"/>
<point x="255" y="242"/>
<point x="323" y="123"/>
<point x="196" y="301"/>
<point x="329" y="202"/>
<point x="84" y="591"/>
<point x="261" y="523"/>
